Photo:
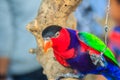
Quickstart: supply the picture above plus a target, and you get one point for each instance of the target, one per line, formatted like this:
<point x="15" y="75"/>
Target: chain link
<point x="106" y="28"/>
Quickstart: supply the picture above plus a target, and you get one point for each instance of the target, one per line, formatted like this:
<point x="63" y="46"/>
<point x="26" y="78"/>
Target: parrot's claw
<point x="70" y="75"/>
<point x="98" y="60"/>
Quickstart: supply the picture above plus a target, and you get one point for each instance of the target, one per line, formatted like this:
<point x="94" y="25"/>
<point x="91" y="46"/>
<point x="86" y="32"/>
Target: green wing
<point x="97" y="44"/>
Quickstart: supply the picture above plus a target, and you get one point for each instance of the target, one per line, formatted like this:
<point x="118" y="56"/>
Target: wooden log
<point x="52" y="12"/>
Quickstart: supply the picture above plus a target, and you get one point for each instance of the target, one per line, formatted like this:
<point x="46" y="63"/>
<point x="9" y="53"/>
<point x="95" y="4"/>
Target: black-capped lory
<point x="81" y="51"/>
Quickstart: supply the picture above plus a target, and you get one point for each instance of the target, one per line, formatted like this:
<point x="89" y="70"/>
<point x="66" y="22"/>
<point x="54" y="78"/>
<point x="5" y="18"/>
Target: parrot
<point x="81" y="51"/>
<point x="114" y="41"/>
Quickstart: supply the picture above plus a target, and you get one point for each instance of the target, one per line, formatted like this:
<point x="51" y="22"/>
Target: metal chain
<point x="106" y="26"/>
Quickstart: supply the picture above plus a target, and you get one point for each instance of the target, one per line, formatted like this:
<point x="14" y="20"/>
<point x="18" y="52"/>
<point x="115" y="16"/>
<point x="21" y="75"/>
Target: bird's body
<point x="72" y="49"/>
<point x="78" y="54"/>
<point x="81" y="60"/>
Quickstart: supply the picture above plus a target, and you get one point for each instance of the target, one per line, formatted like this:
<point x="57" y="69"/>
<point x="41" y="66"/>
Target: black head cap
<point x="50" y="31"/>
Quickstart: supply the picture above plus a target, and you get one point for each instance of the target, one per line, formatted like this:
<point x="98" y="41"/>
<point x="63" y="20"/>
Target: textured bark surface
<point x="52" y="12"/>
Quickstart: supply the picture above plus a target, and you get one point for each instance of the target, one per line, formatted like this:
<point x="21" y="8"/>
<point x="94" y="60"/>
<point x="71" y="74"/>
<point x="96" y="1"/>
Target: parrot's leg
<point x="70" y="75"/>
<point x="98" y="60"/>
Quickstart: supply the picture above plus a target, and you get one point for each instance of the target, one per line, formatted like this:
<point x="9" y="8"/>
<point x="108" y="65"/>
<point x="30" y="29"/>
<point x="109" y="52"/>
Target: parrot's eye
<point x="56" y="34"/>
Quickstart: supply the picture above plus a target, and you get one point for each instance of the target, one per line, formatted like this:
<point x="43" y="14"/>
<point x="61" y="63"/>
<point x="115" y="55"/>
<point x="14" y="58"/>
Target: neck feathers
<point x="74" y="42"/>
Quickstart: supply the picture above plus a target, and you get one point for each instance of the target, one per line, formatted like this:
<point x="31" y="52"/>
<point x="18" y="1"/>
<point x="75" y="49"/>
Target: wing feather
<point x="97" y="44"/>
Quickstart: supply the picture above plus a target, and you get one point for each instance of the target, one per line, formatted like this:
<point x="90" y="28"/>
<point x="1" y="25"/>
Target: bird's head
<point x="56" y="37"/>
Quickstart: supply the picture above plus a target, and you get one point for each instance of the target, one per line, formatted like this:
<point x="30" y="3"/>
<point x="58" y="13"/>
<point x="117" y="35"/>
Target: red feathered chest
<point x="61" y="57"/>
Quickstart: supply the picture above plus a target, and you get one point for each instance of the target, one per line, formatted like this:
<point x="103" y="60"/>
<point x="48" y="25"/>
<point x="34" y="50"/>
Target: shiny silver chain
<point x="106" y="27"/>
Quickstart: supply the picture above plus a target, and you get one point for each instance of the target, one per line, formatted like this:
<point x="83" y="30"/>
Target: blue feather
<point x="111" y="72"/>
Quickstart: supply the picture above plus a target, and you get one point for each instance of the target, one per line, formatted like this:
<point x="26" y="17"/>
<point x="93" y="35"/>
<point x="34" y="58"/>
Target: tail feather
<point x="112" y="72"/>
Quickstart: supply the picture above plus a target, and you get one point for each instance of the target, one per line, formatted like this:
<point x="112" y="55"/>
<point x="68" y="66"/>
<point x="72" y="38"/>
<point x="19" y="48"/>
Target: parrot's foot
<point x="70" y="75"/>
<point x="98" y="60"/>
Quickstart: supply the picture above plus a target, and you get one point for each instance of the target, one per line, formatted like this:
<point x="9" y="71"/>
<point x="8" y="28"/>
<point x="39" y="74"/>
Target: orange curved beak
<point x="47" y="45"/>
